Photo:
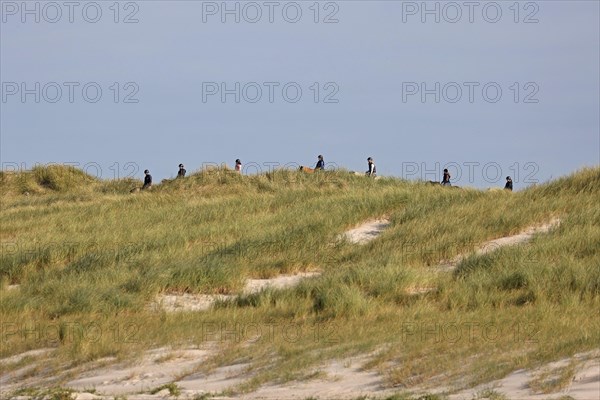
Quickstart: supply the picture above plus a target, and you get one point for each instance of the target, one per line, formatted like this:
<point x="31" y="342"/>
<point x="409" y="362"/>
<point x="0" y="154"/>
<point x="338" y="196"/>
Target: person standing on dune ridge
<point x="446" y="178"/>
<point x="372" y="172"/>
<point x="147" y="180"/>
<point x="181" y="172"/>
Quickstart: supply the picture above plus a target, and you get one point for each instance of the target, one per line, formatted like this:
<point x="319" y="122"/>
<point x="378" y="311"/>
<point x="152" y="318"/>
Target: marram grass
<point x="89" y="257"/>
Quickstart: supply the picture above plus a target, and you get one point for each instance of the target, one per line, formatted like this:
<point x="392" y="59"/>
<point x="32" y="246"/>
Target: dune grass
<point x="89" y="257"/>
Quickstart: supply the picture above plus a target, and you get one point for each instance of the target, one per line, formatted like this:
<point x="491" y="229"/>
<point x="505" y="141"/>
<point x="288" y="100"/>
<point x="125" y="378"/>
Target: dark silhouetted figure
<point x="320" y="164"/>
<point x="181" y="172"/>
<point x="508" y="185"/>
<point x="446" y="178"/>
<point x="147" y="180"/>
<point x="372" y="171"/>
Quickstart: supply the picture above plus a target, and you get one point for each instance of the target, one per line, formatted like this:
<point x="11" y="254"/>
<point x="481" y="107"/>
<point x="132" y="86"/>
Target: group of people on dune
<point x="446" y="181"/>
<point x="181" y="174"/>
<point x="371" y="172"/>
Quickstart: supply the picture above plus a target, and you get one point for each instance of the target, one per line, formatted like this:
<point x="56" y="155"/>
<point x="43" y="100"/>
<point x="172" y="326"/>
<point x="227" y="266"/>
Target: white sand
<point x="585" y="385"/>
<point x="157" y="367"/>
<point x="336" y="379"/>
<point x="342" y="379"/>
<point x="366" y="231"/>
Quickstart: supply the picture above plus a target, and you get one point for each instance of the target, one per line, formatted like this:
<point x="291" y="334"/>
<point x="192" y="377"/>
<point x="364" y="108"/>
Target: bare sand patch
<point x="488" y="247"/>
<point x="367" y="231"/>
<point x="338" y="379"/>
<point x="584" y="385"/>
<point x="20" y="367"/>
<point x="19" y="357"/>
<point x="493" y="245"/>
<point x="155" y="368"/>
<point x="220" y="380"/>
<point x="279" y="282"/>
<point x="174" y="302"/>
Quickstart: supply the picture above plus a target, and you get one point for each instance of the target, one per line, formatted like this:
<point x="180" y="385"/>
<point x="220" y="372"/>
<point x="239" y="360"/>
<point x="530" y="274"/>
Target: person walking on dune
<point x="238" y="166"/>
<point x="508" y="185"/>
<point x="446" y="178"/>
<point x="147" y="180"/>
<point x="181" y="172"/>
<point x="372" y="171"/>
<point x="320" y="164"/>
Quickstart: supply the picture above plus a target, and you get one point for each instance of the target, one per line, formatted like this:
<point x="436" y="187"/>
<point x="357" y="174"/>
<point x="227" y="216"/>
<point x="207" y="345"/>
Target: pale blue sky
<point x="370" y="54"/>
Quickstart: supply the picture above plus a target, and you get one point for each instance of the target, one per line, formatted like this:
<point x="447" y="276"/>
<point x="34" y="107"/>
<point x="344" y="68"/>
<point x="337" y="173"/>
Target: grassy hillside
<point x="89" y="257"/>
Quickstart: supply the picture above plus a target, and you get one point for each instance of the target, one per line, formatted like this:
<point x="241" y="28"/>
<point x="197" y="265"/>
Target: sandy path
<point x="488" y="247"/>
<point x="366" y="231"/>
<point x="202" y="302"/>
<point x="493" y="245"/>
<point x="176" y="302"/>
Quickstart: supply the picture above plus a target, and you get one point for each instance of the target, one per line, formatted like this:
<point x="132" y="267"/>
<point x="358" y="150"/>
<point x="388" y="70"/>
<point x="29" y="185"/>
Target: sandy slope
<point x="174" y="302"/>
<point x="495" y="244"/>
<point x="585" y="384"/>
<point x="336" y="379"/>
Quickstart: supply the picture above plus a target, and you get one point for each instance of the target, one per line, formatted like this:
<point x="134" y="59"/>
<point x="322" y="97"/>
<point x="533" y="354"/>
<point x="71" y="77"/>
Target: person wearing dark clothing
<point x="446" y="178"/>
<point x="372" y="170"/>
<point x="320" y="164"/>
<point x="147" y="180"/>
<point x="508" y="185"/>
<point x="181" y="172"/>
